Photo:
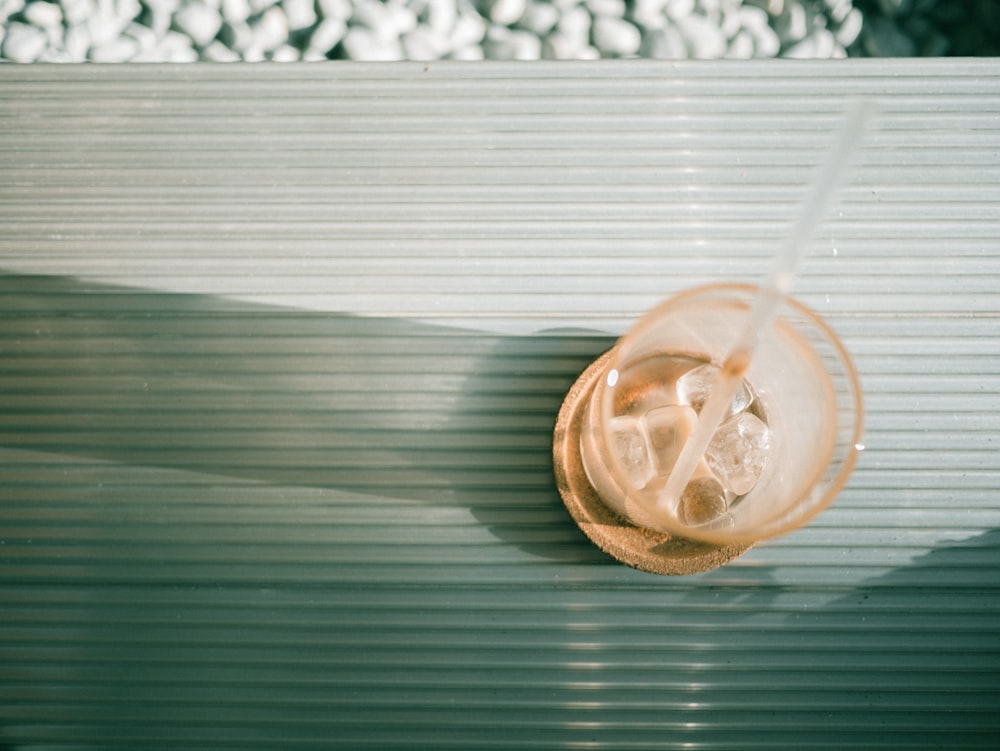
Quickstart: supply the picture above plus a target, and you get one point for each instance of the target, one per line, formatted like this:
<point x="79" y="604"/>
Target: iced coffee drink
<point x="778" y="447"/>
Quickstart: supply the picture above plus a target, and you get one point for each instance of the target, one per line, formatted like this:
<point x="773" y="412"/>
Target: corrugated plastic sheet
<point x="281" y="348"/>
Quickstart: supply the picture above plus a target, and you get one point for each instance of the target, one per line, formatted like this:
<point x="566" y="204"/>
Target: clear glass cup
<point x="784" y="450"/>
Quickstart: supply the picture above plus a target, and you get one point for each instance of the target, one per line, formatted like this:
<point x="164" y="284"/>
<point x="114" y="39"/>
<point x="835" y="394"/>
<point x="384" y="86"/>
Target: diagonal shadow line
<point x="384" y="407"/>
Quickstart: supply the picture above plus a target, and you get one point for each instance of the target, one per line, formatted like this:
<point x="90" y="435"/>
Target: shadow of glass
<point x="380" y="407"/>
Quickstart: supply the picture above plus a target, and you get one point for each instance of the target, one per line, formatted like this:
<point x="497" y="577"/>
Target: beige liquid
<point x="651" y="383"/>
<point x="648" y="391"/>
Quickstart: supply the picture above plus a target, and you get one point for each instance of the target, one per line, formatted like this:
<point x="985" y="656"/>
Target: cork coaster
<point x="644" y="549"/>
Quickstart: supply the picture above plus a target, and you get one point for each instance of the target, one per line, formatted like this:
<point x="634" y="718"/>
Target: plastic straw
<point x="768" y="300"/>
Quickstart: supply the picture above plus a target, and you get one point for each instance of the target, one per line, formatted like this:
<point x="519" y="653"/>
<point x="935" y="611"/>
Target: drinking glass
<point x="786" y="444"/>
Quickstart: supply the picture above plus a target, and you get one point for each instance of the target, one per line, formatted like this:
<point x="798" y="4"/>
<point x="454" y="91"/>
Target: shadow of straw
<point x="386" y="408"/>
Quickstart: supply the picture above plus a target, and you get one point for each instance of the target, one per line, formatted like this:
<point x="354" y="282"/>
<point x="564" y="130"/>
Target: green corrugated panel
<point x="281" y="348"/>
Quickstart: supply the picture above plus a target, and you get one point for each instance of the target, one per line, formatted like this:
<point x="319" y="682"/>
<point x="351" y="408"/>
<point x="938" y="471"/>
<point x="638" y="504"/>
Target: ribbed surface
<point x="280" y="353"/>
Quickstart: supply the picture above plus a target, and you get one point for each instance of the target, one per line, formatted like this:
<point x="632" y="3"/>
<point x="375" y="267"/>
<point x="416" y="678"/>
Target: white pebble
<point x="765" y="5"/>
<point x="505" y="12"/>
<point x="441" y="15"/>
<point x="176" y="48"/>
<point x="704" y="40"/>
<point x="388" y="21"/>
<point x="24" y="43"/>
<point x="424" y="43"/>
<point x="363" y="44"/>
<point x="286" y="53"/>
<point x="664" y="44"/>
<point x="614" y="8"/>
<point x="199" y="22"/>
<point x="166" y="7"/>
<point x="43" y="14"/>
<point x="575" y="26"/>
<point x="677" y="9"/>
<point x="8" y="8"/>
<point x="75" y="12"/>
<point x="76" y="43"/>
<point x="615" y="37"/>
<point x="253" y="54"/>
<point x="118" y="50"/>
<point x="711" y="9"/>
<point x="825" y="43"/>
<point x="526" y="46"/>
<point x="271" y="31"/>
<point x="217" y="52"/>
<point x="649" y="14"/>
<point x="301" y="14"/>
<point x="160" y="15"/>
<point x="471" y="53"/>
<point x="144" y="36"/>
<point x="404" y="19"/>
<point x="103" y="27"/>
<point x="325" y="37"/>
<point x="730" y="23"/>
<point x="469" y="30"/>
<point x="792" y="25"/>
<point x="753" y="18"/>
<point x="502" y="43"/>
<point x="371" y="15"/>
<point x="539" y="18"/>
<point x="838" y="10"/>
<point x="235" y="11"/>
<point x="849" y="28"/>
<point x="558" y="46"/>
<point x="237" y="35"/>
<point x="259" y="6"/>
<point x="817" y="46"/>
<point x="335" y="9"/>
<point x="148" y="56"/>
<point x="765" y="39"/>
<point x="127" y="11"/>
<point x="741" y="46"/>
<point x="766" y="43"/>
<point x="51" y="55"/>
<point x="53" y="37"/>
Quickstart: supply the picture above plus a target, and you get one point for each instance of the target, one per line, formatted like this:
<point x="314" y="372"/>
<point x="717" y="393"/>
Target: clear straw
<point x="768" y="300"/>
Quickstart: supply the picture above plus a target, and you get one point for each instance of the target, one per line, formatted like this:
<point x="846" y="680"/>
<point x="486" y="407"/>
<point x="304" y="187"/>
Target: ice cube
<point x="703" y="501"/>
<point x="694" y="387"/>
<point x="668" y="429"/>
<point x="631" y="447"/>
<point x="738" y="451"/>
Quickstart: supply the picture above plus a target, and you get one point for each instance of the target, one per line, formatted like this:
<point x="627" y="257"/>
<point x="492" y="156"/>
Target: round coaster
<point x="644" y="549"/>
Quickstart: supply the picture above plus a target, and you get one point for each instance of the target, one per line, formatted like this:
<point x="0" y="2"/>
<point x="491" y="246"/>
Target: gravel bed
<point x="287" y="30"/>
